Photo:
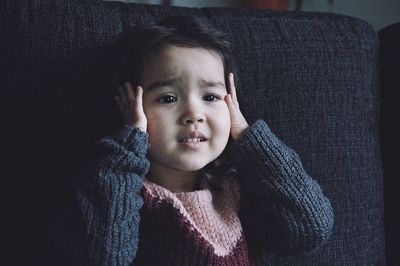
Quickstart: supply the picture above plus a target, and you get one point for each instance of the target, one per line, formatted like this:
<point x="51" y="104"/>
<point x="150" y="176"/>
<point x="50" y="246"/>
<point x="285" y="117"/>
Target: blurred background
<point x="379" y="13"/>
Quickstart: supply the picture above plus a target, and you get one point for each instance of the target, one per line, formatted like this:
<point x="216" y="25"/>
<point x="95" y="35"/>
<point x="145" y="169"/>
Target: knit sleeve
<point x="295" y="217"/>
<point x="103" y="230"/>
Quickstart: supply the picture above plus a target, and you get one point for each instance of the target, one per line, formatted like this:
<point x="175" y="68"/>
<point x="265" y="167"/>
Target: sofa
<point x="313" y="77"/>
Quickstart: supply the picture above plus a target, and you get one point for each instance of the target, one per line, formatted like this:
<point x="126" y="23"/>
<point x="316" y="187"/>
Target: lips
<point x="193" y="136"/>
<point x="193" y="140"/>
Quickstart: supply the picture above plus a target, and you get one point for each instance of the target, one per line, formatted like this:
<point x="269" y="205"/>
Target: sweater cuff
<point x="132" y="138"/>
<point x="264" y="159"/>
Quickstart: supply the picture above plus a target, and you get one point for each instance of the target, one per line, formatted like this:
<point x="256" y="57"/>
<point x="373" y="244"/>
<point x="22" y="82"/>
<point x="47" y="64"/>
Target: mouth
<point x="192" y="137"/>
<point x="193" y="140"/>
<point x="193" y="144"/>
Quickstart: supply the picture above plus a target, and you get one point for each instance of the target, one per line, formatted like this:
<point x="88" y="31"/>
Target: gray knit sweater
<point x="280" y="202"/>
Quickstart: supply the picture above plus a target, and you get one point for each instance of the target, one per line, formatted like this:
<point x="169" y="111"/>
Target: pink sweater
<point x="191" y="228"/>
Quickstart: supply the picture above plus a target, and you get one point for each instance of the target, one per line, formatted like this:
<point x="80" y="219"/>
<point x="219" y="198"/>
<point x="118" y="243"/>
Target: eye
<point x="166" y="99"/>
<point x="211" y="98"/>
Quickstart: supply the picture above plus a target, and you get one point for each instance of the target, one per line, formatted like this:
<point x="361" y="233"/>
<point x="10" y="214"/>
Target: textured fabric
<point x="102" y="226"/>
<point x="274" y="172"/>
<point x="124" y="219"/>
<point x="311" y="76"/>
<point x="191" y="228"/>
<point x="212" y="215"/>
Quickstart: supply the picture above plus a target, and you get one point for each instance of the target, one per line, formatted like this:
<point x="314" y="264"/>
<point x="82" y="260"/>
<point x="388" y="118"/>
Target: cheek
<point x="154" y="122"/>
<point x="158" y="125"/>
<point x="223" y="121"/>
<point x="153" y="115"/>
<point x="226" y="116"/>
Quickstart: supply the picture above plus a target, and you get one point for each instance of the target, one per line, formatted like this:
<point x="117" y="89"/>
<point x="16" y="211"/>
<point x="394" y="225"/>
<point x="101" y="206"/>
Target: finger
<point x="232" y="86"/>
<point x="117" y="99"/>
<point x="231" y="105"/>
<point x="139" y="99"/>
<point x="122" y="109"/>
<point x="122" y="97"/>
<point x="129" y="92"/>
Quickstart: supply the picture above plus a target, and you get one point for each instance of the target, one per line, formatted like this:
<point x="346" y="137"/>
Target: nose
<point x="195" y="118"/>
<point x="193" y="113"/>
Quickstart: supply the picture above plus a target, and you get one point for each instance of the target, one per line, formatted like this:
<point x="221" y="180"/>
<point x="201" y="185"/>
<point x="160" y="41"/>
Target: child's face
<point x="184" y="90"/>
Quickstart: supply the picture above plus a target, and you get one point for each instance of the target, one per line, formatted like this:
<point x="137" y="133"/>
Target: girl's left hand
<point x="238" y="122"/>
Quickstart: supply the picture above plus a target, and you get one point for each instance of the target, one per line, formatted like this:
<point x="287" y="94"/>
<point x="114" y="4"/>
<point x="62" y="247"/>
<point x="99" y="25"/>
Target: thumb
<point x="231" y="105"/>
<point x="139" y="110"/>
<point x="139" y="100"/>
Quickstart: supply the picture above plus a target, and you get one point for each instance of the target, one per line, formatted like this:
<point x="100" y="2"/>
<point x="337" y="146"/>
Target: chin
<point x="186" y="165"/>
<point x="191" y="168"/>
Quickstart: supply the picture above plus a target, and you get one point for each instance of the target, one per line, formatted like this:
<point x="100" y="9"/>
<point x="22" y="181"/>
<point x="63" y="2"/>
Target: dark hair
<point x="140" y="41"/>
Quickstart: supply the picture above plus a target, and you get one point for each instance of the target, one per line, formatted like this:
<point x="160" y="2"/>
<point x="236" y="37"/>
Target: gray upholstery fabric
<point x="312" y="76"/>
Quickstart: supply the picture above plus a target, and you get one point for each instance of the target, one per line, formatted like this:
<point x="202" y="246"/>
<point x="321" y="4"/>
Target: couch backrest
<point x="311" y="76"/>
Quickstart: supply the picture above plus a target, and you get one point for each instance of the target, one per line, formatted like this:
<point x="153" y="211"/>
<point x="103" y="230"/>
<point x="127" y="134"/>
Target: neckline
<point x="203" y="186"/>
<point x="202" y="194"/>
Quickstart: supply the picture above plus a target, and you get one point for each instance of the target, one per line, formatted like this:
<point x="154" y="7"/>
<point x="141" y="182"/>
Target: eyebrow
<point x="161" y="83"/>
<point x="212" y="83"/>
<point x="169" y="81"/>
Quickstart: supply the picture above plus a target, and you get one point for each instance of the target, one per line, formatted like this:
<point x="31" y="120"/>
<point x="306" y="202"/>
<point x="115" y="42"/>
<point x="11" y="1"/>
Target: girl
<point x="186" y="180"/>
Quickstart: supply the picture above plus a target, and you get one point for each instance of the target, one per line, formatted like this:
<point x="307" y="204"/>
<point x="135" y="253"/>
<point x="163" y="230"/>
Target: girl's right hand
<point x="131" y="106"/>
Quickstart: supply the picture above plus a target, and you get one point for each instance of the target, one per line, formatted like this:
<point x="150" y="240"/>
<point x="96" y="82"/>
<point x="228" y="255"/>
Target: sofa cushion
<point x="311" y="76"/>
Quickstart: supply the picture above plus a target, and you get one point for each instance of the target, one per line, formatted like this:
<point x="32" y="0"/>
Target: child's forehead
<point x="183" y="64"/>
<point x="179" y="59"/>
<point x="169" y="50"/>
